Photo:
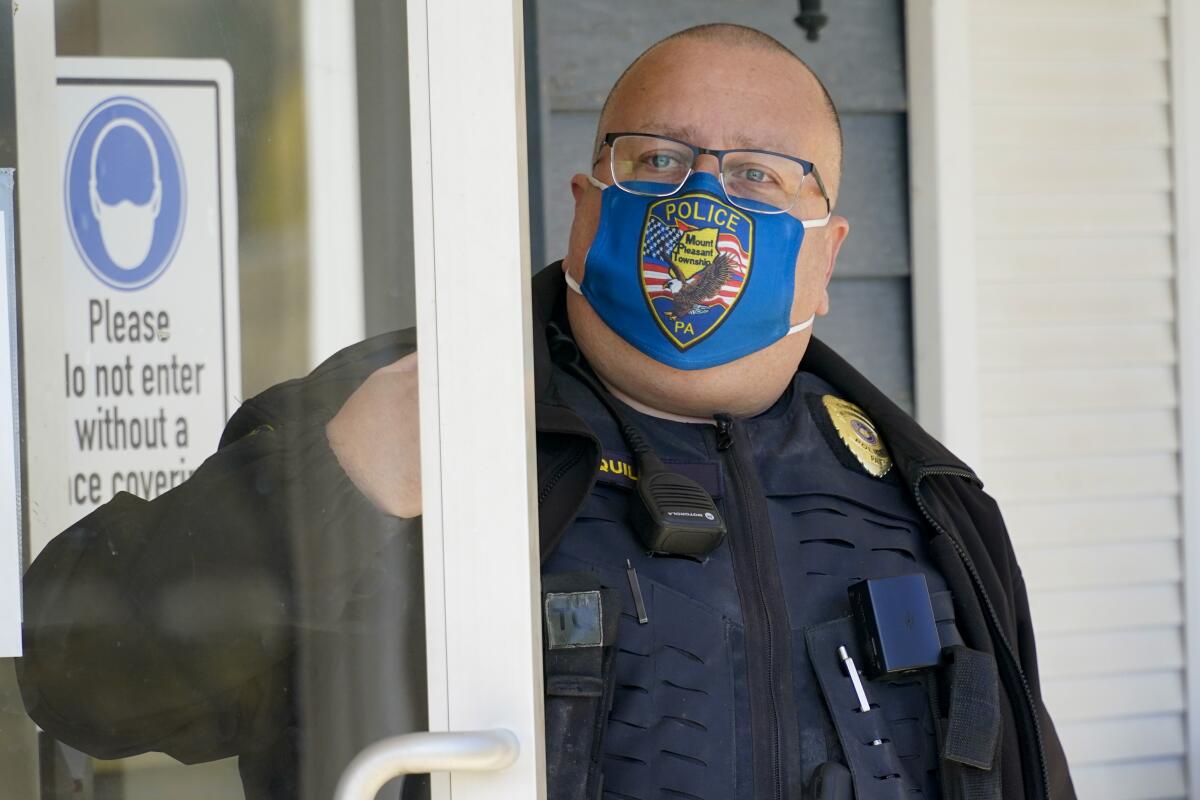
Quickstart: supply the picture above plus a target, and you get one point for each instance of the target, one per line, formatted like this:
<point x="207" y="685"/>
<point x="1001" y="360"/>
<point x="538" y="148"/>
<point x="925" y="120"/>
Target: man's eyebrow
<point x="685" y="132"/>
<point x="689" y="134"/>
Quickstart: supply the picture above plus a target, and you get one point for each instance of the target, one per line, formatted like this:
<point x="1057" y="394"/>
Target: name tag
<point x="619" y="469"/>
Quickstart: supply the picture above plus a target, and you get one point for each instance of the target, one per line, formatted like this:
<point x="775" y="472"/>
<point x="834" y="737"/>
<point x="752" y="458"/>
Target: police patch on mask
<point x="854" y="431"/>
<point x="696" y="256"/>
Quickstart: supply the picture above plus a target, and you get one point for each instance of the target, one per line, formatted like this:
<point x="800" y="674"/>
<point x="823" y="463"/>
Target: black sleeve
<point x="1057" y="769"/>
<point x="172" y="624"/>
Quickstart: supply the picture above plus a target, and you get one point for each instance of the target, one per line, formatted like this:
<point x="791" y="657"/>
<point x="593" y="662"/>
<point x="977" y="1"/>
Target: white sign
<point x="10" y="453"/>
<point x="150" y="368"/>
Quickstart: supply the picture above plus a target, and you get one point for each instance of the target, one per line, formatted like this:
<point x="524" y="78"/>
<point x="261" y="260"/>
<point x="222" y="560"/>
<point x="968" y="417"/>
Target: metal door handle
<point x="409" y="753"/>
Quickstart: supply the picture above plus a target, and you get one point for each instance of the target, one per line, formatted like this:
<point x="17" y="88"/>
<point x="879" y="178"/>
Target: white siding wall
<point x="1077" y="351"/>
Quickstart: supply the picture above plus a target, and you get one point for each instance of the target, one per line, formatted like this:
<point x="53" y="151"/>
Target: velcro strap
<point x="968" y="783"/>
<point x="973" y="726"/>
<point x="580" y="627"/>
<point x="580" y="618"/>
<point x="943" y="615"/>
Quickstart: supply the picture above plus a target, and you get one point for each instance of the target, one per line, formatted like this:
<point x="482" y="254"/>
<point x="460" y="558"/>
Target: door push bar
<point x="414" y="753"/>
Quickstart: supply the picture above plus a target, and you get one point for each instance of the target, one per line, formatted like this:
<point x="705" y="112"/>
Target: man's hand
<point x="376" y="438"/>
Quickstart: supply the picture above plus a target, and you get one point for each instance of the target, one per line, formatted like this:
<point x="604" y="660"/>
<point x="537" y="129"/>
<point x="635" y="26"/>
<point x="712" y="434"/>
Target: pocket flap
<point x="866" y="741"/>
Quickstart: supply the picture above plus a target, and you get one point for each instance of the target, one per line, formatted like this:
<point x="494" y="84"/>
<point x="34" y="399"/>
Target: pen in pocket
<point x="864" y="705"/>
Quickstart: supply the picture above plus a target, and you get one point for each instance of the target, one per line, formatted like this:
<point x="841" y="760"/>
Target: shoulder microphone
<point x="674" y="515"/>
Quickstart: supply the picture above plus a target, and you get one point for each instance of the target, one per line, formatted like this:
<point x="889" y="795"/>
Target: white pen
<point x="863" y="704"/>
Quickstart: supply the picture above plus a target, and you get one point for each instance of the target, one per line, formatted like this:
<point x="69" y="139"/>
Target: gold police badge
<point x="858" y="433"/>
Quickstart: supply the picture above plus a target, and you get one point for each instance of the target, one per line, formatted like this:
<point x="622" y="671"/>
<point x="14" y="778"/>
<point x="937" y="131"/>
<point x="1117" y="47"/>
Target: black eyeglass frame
<point x="809" y="167"/>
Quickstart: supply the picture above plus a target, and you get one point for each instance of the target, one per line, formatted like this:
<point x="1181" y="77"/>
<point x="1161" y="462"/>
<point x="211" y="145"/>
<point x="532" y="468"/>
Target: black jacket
<point x="238" y="613"/>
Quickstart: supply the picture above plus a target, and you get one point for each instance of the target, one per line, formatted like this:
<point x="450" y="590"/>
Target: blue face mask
<point x="690" y="279"/>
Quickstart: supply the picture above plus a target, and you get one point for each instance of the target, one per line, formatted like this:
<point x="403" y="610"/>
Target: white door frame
<point x="1185" y="114"/>
<point x="40" y="227"/>
<point x="336" y="308"/>
<point x="471" y="239"/>
<point x="39" y="211"/>
<point x="941" y="181"/>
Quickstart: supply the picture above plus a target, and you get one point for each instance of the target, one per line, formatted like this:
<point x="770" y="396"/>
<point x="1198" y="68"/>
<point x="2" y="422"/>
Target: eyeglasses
<point x="755" y="180"/>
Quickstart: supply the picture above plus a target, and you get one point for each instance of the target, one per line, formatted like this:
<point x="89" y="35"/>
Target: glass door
<point x="214" y="200"/>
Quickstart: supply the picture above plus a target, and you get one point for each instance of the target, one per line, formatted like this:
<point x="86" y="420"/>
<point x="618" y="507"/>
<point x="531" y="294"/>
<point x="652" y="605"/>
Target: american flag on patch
<point x="661" y="239"/>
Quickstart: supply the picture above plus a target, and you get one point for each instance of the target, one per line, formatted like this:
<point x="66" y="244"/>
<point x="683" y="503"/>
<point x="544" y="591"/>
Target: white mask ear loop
<point x="797" y="328"/>
<point x="572" y="284"/>
<point x="810" y="223"/>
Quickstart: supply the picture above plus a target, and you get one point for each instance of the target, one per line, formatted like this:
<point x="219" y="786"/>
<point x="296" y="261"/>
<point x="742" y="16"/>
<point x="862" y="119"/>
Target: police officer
<point x="728" y="511"/>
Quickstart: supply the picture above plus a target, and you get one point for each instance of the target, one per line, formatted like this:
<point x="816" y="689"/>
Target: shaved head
<point x="729" y="35"/>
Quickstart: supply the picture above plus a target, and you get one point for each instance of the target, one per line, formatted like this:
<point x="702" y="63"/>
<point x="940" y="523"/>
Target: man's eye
<point x="661" y="160"/>
<point x="756" y="175"/>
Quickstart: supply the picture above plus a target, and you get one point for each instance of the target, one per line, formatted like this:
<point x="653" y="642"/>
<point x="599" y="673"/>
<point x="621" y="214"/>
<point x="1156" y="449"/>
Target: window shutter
<point x="1077" y="348"/>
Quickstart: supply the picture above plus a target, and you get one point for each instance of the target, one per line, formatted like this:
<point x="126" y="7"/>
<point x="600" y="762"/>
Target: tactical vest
<point x="727" y="681"/>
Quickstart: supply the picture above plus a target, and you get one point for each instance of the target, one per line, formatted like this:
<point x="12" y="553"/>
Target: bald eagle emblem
<point x="695" y="262"/>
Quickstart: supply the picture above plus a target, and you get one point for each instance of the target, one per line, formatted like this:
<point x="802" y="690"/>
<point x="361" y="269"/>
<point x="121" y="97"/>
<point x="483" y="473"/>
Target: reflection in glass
<point x="275" y="613"/>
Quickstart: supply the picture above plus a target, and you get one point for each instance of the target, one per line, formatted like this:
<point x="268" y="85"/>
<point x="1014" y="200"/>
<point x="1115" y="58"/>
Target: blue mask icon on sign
<point x="126" y="227"/>
<point x="126" y="198"/>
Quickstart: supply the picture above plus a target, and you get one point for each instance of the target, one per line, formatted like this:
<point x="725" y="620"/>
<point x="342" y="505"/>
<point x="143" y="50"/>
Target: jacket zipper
<point x="562" y="469"/>
<point x="1031" y="706"/>
<point x="746" y="549"/>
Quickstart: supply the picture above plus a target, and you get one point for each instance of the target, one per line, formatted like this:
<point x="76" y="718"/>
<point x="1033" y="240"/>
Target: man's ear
<point x="583" y="225"/>
<point x="836" y="232"/>
<point x="579" y="186"/>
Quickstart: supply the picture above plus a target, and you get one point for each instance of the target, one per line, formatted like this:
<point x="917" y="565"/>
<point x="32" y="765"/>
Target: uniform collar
<point x="913" y="450"/>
